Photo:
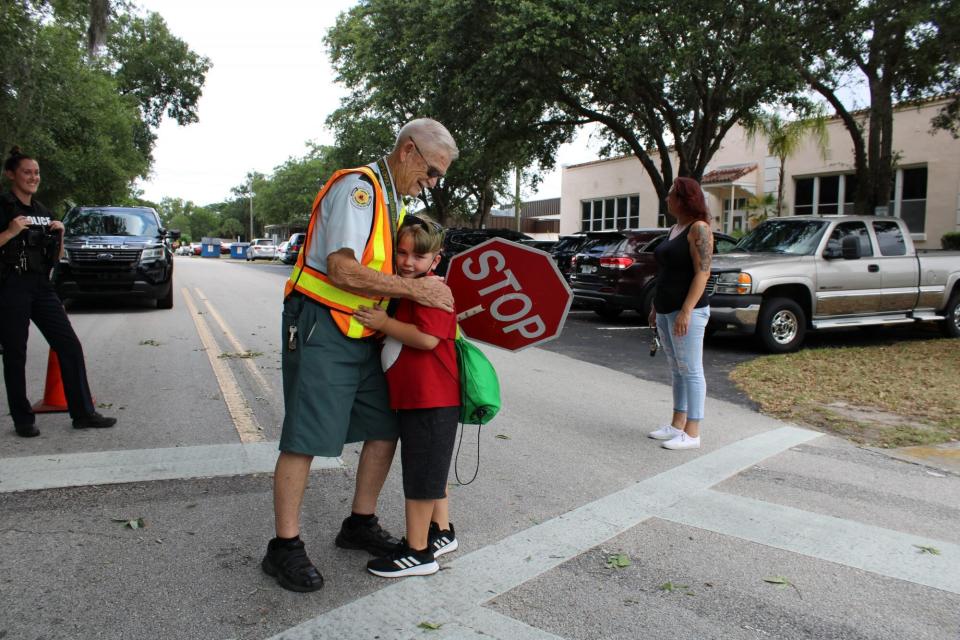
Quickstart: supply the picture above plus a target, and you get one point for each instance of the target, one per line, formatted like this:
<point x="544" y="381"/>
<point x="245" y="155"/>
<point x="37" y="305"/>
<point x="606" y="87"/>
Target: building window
<point x="911" y="206"/>
<point x="825" y="195"/>
<point x="803" y="196"/>
<point x="828" y="200"/>
<point x="621" y="212"/>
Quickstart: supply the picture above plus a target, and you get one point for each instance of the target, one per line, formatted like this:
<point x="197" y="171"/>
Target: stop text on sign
<point x="511" y="305"/>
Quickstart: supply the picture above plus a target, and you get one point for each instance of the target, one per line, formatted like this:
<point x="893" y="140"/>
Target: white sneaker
<point x="682" y="441"/>
<point x="666" y="432"/>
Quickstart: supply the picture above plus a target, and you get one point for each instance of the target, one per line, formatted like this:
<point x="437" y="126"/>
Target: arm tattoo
<point x="704" y="246"/>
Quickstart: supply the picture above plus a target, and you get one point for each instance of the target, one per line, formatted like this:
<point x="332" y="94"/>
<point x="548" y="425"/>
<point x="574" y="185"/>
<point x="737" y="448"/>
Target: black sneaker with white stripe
<point x="441" y="541"/>
<point x="404" y="562"/>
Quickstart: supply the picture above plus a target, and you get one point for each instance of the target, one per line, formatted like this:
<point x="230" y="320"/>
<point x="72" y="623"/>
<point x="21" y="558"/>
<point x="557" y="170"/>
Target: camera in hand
<point x="41" y="247"/>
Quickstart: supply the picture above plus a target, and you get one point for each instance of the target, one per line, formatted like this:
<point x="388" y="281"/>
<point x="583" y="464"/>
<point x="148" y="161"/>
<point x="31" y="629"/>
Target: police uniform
<point x="26" y="294"/>
<point x="333" y="385"/>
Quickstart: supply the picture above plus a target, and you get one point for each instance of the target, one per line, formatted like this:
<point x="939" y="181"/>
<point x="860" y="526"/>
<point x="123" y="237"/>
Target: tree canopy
<point x="89" y="121"/>
<point x="901" y="50"/>
<point x="402" y="60"/>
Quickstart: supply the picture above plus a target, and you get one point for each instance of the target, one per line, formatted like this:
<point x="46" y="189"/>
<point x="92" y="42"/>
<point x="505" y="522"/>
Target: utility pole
<point x="516" y="199"/>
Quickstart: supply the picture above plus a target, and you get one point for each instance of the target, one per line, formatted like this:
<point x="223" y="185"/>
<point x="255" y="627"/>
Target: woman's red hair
<point x="690" y="198"/>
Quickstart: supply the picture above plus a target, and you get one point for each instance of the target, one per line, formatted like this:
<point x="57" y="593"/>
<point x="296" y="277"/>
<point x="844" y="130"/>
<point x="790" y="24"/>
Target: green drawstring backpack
<point x="479" y="386"/>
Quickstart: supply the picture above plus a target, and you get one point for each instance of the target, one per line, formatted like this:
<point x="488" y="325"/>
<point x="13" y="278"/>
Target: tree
<point x="667" y="79"/>
<point x="288" y="193"/>
<point x="403" y="59"/>
<point x="231" y="228"/>
<point x="90" y="132"/>
<point x="901" y="49"/>
<point x="784" y="138"/>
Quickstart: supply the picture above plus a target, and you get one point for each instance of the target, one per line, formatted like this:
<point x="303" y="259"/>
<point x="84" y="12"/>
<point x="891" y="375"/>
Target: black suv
<point x="116" y="251"/>
<point x="564" y="251"/>
<point x="458" y="240"/>
<point x="616" y="270"/>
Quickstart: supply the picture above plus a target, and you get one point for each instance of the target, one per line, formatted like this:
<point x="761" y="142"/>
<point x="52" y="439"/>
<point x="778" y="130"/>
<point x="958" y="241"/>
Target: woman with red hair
<point x="681" y="310"/>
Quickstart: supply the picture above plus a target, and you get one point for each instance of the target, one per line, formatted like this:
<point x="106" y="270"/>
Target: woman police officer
<point x="30" y="244"/>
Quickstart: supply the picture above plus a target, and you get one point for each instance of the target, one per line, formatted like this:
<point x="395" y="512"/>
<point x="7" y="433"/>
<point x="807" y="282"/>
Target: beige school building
<point x="617" y="193"/>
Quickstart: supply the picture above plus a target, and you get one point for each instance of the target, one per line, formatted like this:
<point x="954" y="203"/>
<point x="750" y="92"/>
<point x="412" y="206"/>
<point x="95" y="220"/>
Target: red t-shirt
<point x="420" y="379"/>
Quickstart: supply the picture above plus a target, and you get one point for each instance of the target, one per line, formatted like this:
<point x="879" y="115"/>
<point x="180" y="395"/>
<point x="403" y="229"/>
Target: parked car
<point x="196" y="248"/>
<point x="184" y="250"/>
<point x="543" y="245"/>
<point x="616" y="270"/>
<point x="282" y="251"/>
<point x="294" y="244"/>
<point x="116" y="251"/>
<point x="790" y="275"/>
<point x="458" y="240"/>
<point x="565" y="249"/>
<point x="261" y="249"/>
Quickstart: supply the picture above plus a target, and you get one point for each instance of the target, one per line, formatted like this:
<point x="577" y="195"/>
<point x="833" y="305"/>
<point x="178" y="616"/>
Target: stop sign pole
<point x="509" y="295"/>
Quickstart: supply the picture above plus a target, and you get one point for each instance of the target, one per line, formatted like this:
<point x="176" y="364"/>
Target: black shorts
<point x="426" y="447"/>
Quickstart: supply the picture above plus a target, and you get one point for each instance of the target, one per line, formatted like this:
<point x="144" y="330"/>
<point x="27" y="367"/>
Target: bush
<point x="951" y="240"/>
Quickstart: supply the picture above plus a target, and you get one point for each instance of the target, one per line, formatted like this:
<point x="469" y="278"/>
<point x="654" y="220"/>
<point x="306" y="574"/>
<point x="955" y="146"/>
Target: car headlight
<point x="154" y="253"/>
<point x="734" y="282"/>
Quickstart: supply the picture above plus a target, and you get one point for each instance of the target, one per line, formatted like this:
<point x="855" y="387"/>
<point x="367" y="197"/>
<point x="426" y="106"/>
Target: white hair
<point x="429" y="133"/>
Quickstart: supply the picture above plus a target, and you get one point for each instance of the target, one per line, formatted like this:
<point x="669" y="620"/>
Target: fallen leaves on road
<point x="670" y="587"/>
<point x="783" y="583"/>
<point x="245" y="354"/>
<point x="927" y="549"/>
<point x="134" y="523"/>
<point x="618" y="561"/>
<point x="430" y="626"/>
<point x="149" y="343"/>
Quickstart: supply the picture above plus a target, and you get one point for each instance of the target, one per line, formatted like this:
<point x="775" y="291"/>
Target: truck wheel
<point x="950" y="326"/>
<point x="166" y="302"/>
<point x="608" y="313"/>
<point x="781" y="325"/>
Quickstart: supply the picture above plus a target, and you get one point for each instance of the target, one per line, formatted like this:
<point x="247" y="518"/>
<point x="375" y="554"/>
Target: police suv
<point x="116" y="251"/>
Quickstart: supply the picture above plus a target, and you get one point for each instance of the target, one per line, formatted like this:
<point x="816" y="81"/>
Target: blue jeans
<point x="685" y="355"/>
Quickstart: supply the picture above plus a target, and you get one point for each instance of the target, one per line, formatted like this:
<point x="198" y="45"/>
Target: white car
<point x="262" y="248"/>
<point x="282" y="250"/>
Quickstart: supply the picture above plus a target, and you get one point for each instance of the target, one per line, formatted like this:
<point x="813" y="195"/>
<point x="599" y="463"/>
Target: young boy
<point x="420" y="361"/>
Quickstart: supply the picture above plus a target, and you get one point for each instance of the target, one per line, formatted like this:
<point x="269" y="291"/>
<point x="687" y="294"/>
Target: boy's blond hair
<point x="427" y="237"/>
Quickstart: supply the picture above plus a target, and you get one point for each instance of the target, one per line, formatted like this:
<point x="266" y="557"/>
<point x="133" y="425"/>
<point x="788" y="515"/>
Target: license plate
<point x="588" y="268"/>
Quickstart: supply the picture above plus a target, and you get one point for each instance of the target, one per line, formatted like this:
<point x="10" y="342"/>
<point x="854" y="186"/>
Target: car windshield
<point x="111" y="222"/>
<point x="795" y="237"/>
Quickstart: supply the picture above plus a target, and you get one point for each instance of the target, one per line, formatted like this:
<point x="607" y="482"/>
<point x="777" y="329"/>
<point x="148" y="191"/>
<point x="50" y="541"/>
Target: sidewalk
<point x="572" y="482"/>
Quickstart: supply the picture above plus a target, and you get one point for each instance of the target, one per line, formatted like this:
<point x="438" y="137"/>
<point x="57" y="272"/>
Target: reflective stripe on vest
<point x="377" y="255"/>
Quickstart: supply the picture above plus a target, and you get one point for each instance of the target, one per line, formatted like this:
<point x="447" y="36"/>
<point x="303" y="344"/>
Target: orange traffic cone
<point x="54" y="399"/>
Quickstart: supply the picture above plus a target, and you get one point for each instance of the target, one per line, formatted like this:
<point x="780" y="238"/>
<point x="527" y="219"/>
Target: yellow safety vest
<point x="377" y="255"/>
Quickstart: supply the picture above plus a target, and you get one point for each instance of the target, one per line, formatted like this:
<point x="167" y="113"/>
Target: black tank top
<point x="675" y="274"/>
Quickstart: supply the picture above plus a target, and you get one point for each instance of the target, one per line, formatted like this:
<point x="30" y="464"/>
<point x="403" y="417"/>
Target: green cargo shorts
<point x="334" y="389"/>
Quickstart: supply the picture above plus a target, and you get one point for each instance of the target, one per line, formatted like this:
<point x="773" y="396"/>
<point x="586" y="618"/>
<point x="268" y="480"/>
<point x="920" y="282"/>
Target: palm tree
<point x="784" y="137"/>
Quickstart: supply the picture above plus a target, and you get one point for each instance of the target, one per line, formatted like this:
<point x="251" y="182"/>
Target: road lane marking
<point x="237" y="346"/>
<point x="240" y="412"/>
<point x="862" y="546"/>
<point x="453" y="595"/>
<point x="55" y="471"/>
<point x="622" y="328"/>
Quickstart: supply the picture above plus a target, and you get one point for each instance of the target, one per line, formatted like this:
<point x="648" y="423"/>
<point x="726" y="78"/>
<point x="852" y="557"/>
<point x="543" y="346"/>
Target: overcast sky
<point x="270" y="90"/>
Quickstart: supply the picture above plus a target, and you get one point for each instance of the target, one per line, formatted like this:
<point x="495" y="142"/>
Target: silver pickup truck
<point x="793" y="274"/>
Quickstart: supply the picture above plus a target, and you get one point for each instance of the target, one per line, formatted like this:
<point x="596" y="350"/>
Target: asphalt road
<point x="578" y="526"/>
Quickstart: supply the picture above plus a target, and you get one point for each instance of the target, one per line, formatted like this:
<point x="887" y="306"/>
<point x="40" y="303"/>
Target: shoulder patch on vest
<point x="361" y="197"/>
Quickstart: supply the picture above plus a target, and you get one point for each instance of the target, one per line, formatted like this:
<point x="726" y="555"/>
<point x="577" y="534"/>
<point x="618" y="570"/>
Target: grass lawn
<point x="890" y="395"/>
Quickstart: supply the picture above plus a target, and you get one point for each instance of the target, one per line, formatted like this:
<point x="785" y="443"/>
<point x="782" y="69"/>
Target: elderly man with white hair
<point x="334" y="388"/>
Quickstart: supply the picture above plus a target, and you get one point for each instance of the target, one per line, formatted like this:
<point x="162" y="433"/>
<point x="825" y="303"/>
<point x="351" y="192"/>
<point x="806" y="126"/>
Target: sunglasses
<point x="429" y="226"/>
<point x="432" y="171"/>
